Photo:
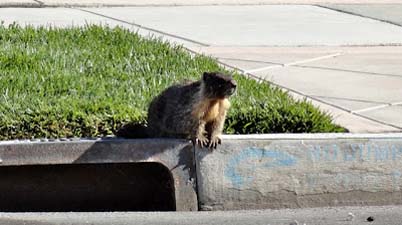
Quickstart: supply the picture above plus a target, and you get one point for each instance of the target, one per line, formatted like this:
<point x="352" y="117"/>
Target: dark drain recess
<point x="86" y="188"/>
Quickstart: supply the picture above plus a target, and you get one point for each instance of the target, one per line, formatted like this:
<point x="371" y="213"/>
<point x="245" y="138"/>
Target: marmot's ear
<point x="206" y="76"/>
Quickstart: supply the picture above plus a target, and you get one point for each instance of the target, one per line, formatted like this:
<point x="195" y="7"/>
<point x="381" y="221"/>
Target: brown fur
<point x="196" y="110"/>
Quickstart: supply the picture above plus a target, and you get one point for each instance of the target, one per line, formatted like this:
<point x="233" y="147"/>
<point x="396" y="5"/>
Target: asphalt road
<point x="388" y="215"/>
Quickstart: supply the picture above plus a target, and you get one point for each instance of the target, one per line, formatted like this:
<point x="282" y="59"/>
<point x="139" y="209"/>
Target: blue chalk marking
<point x="349" y="156"/>
<point x="278" y="159"/>
<point x="381" y="153"/>
<point x="325" y="153"/>
<point x="358" y="148"/>
<point x="315" y="153"/>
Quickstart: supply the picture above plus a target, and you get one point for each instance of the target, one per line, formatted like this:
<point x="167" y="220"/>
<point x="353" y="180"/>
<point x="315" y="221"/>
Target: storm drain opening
<point x="86" y="188"/>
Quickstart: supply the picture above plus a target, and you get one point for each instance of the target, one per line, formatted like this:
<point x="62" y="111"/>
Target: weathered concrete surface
<point x="262" y="25"/>
<point x="296" y="171"/>
<point x="76" y="17"/>
<point x="175" y="155"/>
<point x="247" y="171"/>
<point x="19" y="3"/>
<point x="357" y="86"/>
<point x="56" y="17"/>
<point x="391" y="114"/>
<point x="385" y="215"/>
<point x="108" y="3"/>
<point x="390" y="13"/>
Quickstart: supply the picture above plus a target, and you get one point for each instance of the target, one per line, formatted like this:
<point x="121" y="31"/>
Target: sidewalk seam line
<point x="348" y="71"/>
<point x="377" y="107"/>
<point x="144" y="27"/>
<point x="260" y="79"/>
<point x="39" y="2"/>
<point x="371" y="108"/>
<point x="295" y="63"/>
<point x="359" y="15"/>
<point x="313" y="59"/>
<point x="264" y="68"/>
<point x="378" y="121"/>
<point x="350" y="99"/>
<point x="249" y="60"/>
<point x="396" y="104"/>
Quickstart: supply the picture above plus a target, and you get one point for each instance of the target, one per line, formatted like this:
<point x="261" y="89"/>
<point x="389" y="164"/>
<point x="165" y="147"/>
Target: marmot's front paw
<point x="200" y="140"/>
<point x="213" y="143"/>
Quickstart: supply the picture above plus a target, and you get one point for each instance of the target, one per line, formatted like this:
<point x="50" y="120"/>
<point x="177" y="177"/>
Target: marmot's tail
<point x="133" y="130"/>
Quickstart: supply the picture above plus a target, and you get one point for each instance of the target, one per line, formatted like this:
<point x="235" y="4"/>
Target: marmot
<point x="194" y="110"/>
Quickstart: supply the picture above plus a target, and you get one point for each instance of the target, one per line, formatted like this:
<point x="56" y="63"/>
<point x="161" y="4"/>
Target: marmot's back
<point x="169" y="114"/>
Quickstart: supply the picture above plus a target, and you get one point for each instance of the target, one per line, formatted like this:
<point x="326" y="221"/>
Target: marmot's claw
<point x="201" y="141"/>
<point x="214" y="142"/>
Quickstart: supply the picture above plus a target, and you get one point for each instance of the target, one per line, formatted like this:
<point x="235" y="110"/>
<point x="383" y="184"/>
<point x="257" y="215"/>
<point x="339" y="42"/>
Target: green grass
<point x="89" y="81"/>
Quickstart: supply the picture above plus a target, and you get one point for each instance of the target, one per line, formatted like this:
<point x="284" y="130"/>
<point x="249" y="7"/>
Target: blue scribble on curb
<point x="277" y="159"/>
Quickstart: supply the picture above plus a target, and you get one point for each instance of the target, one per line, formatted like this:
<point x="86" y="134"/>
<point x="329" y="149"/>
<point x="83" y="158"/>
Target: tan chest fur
<point x="209" y="110"/>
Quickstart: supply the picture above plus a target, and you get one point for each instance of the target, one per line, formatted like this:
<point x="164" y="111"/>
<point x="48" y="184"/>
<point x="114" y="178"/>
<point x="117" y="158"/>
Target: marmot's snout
<point x="231" y="86"/>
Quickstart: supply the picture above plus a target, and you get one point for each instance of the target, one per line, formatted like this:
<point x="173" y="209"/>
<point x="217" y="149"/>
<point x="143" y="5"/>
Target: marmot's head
<point x="218" y="85"/>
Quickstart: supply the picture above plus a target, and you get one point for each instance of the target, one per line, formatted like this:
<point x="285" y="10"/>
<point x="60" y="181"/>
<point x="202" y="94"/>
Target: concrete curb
<point x="175" y="155"/>
<point x="247" y="171"/>
<point x="298" y="171"/>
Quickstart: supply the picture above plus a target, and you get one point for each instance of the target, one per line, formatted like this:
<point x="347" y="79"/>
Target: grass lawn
<point x="89" y="81"/>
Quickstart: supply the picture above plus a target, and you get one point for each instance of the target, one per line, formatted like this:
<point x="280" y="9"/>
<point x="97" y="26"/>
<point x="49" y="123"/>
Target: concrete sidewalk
<point x="345" y="58"/>
<point x="114" y="3"/>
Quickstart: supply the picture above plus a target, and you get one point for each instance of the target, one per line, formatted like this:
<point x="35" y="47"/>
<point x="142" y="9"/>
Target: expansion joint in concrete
<point x="145" y="28"/>
<point x="39" y="2"/>
<point x="357" y="14"/>
<point x="299" y="93"/>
